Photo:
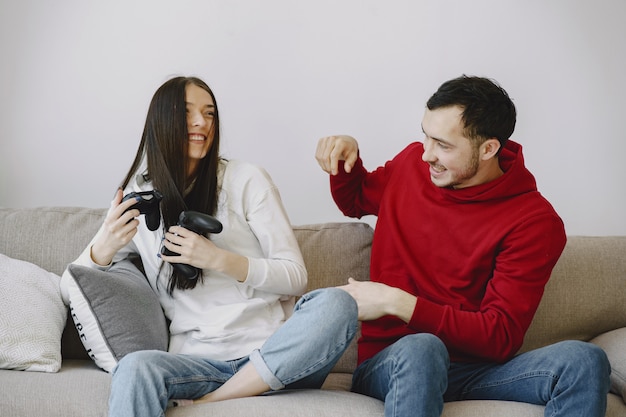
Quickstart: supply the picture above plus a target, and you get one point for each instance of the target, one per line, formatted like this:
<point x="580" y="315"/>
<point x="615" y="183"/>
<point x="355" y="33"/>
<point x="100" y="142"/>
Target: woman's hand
<point x="119" y="228"/>
<point x="197" y="250"/>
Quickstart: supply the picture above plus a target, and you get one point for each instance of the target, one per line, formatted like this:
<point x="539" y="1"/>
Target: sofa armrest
<point x="614" y="344"/>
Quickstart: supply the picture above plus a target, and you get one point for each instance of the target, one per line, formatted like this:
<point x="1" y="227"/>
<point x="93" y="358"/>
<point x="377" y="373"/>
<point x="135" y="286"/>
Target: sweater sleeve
<point x="281" y="269"/>
<point x="495" y="331"/>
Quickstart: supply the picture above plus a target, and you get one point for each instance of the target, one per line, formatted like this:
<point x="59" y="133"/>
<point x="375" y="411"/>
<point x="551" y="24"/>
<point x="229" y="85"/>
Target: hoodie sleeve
<point x="360" y="192"/>
<point x="496" y="329"/>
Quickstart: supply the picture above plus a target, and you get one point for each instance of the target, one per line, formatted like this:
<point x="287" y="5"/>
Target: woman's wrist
<point x="98" y="259"/>
<point x="233" y="265"/>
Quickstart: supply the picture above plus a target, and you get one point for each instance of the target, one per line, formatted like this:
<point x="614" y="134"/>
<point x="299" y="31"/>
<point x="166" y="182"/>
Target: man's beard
<point x="470" y="170"/>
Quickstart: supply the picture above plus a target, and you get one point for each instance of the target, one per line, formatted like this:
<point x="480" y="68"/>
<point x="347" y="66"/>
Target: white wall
<point x="76" y="78"/>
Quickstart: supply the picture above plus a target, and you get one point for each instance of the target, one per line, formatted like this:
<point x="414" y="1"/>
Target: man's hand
<point x="332" y="149"/>
<point x="375" y="300"/>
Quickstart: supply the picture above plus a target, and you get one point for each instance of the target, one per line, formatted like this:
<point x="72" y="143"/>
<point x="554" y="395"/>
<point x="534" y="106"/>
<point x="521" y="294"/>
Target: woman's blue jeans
<point x="300" y="354"/>
<point x="414" y="378"/>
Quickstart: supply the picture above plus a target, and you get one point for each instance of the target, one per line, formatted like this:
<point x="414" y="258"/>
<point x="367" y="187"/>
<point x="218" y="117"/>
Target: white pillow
<point x="32" y="317"/>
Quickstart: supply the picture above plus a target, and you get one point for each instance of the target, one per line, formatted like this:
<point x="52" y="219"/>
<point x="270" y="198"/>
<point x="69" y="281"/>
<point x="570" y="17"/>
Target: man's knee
<point x="421" y="341"/>
<point x="419" y="360"/>
<point x="423" y="350"/>
<point x="586" y="357"/>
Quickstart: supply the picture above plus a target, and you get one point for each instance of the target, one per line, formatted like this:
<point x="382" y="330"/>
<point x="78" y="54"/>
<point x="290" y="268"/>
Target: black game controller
<point x="201" y="224"/>
<point x="148" y="204"/>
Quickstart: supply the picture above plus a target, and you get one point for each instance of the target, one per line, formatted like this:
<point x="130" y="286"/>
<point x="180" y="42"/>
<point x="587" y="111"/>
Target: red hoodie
<point x="477" y="258"/>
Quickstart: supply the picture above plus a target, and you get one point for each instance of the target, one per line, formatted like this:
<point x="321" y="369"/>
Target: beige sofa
<point x="584" y="300"/>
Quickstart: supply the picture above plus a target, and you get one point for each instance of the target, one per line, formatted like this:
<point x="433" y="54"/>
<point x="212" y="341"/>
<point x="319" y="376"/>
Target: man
<point x="463" y="247"/>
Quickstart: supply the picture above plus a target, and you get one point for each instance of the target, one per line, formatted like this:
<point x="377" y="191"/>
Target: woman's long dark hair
<point x="164" y="144"/>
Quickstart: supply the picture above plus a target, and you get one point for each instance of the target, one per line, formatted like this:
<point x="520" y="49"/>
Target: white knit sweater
<point x="222" y="318"/>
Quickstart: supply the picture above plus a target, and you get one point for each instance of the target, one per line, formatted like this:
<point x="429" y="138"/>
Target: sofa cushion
<point x="32" y="317"/>
<point x="115" y="312"/>
<point x="79" y="389"/>
<point x="614" y="344"/>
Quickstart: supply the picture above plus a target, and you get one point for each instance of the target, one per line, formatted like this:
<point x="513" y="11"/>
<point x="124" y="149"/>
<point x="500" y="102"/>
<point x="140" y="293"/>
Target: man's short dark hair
<point x="488" y="112"/>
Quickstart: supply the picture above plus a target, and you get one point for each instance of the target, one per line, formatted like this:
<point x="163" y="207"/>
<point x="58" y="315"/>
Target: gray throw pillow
<point x="115" y="312"/>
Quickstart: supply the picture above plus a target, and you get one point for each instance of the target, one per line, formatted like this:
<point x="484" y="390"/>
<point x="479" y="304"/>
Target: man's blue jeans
<point x="300" y="354"/>
<point x="414" y="378"/>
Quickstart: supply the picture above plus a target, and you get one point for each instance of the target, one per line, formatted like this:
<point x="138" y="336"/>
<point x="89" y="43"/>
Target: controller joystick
<point x="201" y="224"/>
<point x="147" y="204"/>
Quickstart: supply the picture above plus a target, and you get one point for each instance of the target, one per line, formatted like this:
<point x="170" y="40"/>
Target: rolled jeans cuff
<point x="264" y="372"/>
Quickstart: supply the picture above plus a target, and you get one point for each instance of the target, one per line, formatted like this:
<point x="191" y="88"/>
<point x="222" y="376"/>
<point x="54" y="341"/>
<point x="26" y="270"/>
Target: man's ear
<point x="489" y="149"/>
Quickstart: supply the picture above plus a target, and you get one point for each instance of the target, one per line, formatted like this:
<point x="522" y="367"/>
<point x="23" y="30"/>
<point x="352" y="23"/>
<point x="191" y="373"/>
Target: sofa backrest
<point x="334" y="252"/>
<point x="51" y="237"/>
<point x="586" y="293"/>
<point x="584" y="297"/>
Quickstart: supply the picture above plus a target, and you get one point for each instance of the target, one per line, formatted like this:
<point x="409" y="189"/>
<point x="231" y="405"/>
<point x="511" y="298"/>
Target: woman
<point x="229" y="333"/>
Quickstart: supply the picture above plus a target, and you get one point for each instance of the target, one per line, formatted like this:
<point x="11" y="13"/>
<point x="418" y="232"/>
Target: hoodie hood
<point x="516" y="180"/>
